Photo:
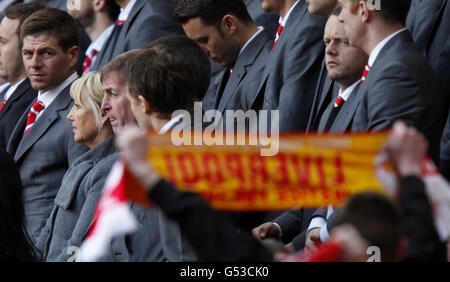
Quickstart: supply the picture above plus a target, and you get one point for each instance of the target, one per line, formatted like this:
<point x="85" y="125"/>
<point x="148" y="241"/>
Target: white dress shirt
<point x="124" y="13"/>
<point x="282" y="21"/>
<point x="48" y="97"/>
<point x="99" y="43"/>
<point x="169" y="124"/>
<point x="12" y="89"/>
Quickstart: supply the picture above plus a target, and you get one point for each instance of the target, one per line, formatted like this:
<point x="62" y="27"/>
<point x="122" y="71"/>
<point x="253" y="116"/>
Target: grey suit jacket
<point x="429" y="22"/>
<point x="343" y="119"/>
<point x="43" y="157"/>
<point x="75" y="203"/>
<point x="326" y="92"/>
<point x="148" y="20"/>
<point x="240" y="90"/>
<point x="401" y="85"/>
<point x="292" y="71"/>
<point x="13" y="110"/>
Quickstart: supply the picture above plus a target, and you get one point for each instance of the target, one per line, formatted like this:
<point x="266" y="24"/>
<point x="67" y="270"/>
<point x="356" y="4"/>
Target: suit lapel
<point x="49" y="116"/>
<point x="243" y="63"/>
<point x="20" y="91"/>
<point x="345" y="116"/>
<point x="120" y="43"/>
<point x="294" y="18"/>
<point x="431" y="12"/>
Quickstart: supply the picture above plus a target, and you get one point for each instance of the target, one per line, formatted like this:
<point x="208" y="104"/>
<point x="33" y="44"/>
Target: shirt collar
<point x="170" y="124"/>
<point x="12" y="89"/>
<point x="376" y="51"/>
<point x="347" y="92"/>
<point x="124" y="13"/>
<point x="260" y="29"/>
<point x="48" y="97"/>
<point x="101" y="40"/>
<point x="282" y="21"/>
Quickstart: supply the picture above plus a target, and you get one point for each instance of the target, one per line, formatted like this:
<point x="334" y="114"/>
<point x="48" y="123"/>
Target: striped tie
<point x="32" y="115"/>
<point x="366" y="71"/>
<point x="2" y="105"/>
<point x="280" y="30"/>
<point x="339" y="102"/>
<point x="120" y="23"/>
<point x="88" y="61"/>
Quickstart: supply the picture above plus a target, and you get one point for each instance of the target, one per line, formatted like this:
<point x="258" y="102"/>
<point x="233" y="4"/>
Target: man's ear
<point x="99" y="5"/>
<point x="73" y="56"/>
<point x="145" y="105"/>
<point x="364" y="12"/>
<point x="105" y="118"/>
<point x="229" y="24"/>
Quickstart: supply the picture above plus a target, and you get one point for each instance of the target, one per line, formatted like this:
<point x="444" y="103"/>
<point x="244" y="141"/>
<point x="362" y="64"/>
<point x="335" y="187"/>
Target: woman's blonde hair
<point x="92" y="86"/>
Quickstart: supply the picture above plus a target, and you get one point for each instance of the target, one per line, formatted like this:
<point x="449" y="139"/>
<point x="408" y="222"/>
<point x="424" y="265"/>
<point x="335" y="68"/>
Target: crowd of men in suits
<point x="324" y="65"/>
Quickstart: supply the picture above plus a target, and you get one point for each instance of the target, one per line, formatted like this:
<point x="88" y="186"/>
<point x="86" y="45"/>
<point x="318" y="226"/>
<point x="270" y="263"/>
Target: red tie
<point x="88" y="61"/>
<point x="366" y="71"/>
<point x="280" y="30"/>
<point x="119" y="22"/>
<point x="231" y="70"/>
<point x="32" y="115"/>
<point x="339" y="102"/>
<point x="2" y="105"/>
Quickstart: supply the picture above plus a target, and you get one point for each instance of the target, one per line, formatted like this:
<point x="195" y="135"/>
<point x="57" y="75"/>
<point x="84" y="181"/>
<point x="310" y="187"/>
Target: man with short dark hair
<point x="227" y="33"/>
<point x="98" y="18"/>
<point x="17" y="97"/>
<point x="159" y="239"/>
<point x="399" y="83"/>
<point x="42" y="142"/>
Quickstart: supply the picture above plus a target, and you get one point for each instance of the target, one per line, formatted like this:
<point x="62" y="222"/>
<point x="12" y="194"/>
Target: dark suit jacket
<point x="268" y="20"/>
<point x="43" y="157"/>
<point x="418" y="223"/>
<point x="343" y="119"/>
<point x="326" y="91"/>
<point x="240" y="90"/>
<point x="13" y="110"/>
<point x="212" y="234"/>
<point x="292" y="71"/>
<point x="429" y="22"/>
<point x="148" y="20"/>
<point x="401" y="85"/>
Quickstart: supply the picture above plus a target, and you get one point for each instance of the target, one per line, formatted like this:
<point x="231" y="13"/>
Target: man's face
<point x="46" y="64"/>
<point x="345" y="63"/>
<point x="220" y="47"/>
<point x="321" y="7"/>
<point x="115" y="102"/>
<point x="353" y="26"/>
<point x="82" y="11"/>
<point x="11" y="65"/>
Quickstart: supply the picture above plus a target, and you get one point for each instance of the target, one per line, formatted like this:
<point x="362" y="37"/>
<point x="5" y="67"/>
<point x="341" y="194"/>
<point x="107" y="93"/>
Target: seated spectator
<point x="83" y="183"/>
<point x="15" y="245"/>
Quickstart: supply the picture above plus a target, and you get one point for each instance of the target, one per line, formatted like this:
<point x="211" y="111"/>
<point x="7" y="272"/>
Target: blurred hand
<point x="407" y="149"/>
<point x="133" y="145"/>
<point x="312" y="238"/>
<point x="266" y="230"/>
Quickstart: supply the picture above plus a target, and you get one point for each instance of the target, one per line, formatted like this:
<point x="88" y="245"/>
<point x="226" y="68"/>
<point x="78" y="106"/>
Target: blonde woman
<point x="83" y="183"/>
